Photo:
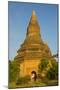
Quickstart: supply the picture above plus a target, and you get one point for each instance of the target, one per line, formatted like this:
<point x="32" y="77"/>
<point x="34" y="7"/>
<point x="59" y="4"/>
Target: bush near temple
<point x="13" y="70"/>
<point x="53" y="72"/>
<point x="23" y="80"/>
<point x="50" y="72"/>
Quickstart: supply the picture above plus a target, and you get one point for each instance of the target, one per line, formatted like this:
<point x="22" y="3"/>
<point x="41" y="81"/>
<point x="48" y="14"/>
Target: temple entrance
<point x="33" y="76"/>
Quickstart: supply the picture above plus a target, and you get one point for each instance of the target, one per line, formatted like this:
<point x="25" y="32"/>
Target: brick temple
<point x="33" y="49"/>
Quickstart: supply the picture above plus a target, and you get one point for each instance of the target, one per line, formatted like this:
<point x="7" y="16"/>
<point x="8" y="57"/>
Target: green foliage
<point x="43" y="64"/>
<point x="13" y="70"/>
<point x="23" y="80"/>
<point x="53" y="72"/>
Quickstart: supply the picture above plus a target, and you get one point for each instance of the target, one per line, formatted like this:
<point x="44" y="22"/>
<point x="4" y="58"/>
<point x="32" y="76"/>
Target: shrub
<point x="53" y="72"/>
<point x="23" y="80"/>
<point x="42" y="66"/>
<point x="14" y="69"/>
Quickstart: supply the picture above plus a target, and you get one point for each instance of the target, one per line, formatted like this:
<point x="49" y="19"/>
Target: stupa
<point x="33" y="48"/>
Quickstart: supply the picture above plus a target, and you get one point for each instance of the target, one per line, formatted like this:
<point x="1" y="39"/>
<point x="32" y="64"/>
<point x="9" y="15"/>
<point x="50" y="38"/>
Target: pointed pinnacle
<point x="33" y="17"/>
<point x="33" y="13"/>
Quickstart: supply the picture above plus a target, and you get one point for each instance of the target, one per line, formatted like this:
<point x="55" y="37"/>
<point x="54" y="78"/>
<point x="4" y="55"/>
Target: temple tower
<point x="33" y="48"/>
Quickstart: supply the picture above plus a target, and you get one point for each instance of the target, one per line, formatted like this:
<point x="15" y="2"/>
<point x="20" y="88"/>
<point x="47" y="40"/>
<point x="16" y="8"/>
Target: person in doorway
<point x="34" y="76"/>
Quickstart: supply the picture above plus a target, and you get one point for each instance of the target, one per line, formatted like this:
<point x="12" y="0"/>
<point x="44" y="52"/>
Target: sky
<point x="18" y="18"/>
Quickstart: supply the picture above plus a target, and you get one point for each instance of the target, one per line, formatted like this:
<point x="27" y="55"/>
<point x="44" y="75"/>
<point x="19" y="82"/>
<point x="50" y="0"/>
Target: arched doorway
<point x="33" y="76"/>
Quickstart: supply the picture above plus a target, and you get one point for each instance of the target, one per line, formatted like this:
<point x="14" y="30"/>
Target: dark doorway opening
<point x="33" y="75"/>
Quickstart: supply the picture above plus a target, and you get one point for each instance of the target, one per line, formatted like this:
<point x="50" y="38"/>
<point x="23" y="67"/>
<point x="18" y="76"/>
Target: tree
<point x="42" y="66"/>
<point x="53" y="72"/>
<point x="14" y="69"/>
<point x="48" y="68"/>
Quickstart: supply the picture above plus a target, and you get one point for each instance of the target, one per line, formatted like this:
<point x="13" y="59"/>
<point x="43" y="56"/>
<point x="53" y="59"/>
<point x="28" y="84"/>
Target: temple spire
<point x="33" y="17"/>
<point x="33" y="13"/>
<point x="33" y="29"/>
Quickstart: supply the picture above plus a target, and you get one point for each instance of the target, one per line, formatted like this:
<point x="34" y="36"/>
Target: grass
<point x="34" y="84"/>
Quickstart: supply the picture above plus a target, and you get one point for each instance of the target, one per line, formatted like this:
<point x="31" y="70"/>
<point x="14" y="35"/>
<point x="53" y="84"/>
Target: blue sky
<point x="18" y="18"/>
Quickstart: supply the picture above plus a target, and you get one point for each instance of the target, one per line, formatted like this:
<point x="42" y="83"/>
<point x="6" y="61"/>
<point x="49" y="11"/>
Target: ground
<point x="35" y="84"/>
